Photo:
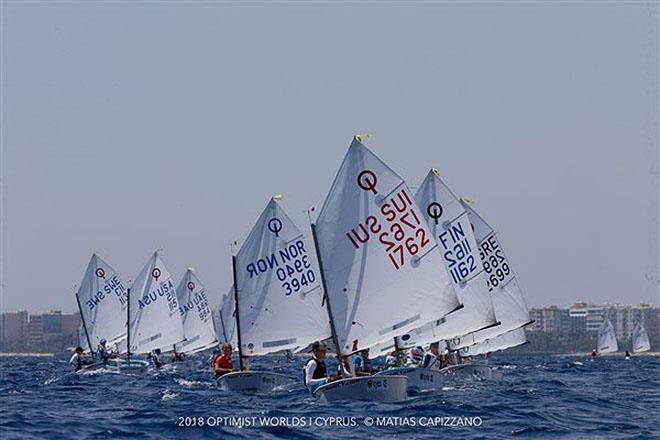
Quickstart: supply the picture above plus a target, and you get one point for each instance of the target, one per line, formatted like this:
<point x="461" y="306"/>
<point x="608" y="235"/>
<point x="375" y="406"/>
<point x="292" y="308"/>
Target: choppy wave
<point x="540" y="397"/>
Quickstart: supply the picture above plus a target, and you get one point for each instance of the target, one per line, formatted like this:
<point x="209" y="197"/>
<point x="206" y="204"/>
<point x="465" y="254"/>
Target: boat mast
<point x="128" y="325"/>
<point x="82" y="318"/>
<point x="238" y="319"/>
<point x="333" y="329"/>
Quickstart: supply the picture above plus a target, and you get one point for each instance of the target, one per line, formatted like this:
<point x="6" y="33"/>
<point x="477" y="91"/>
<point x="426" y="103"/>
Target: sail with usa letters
<point x="640" y="339"/>
<point x="103" y="299"/>
<point x="510" y="307"/>
<point x="278" y="287"/>
<point x="195" y="314"/>
<point x="382" y="267"/>
<point x="607" y="338"/>
<point x="154" y="320"/>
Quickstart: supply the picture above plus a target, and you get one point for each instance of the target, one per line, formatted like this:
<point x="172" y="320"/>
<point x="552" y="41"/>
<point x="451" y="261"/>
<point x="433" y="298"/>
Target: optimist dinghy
<point x="277" y="298"/>
<point x="640" y="339"/>
<point x="607" y="338"/>
<point x="379" y="268"/>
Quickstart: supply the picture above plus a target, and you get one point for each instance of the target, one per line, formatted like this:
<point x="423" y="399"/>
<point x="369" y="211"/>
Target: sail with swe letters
<point x="510" y="307"/>
<point x="380" y="261"/>
<point x="103" y="300"/>
<point x="155" y="320"/>
<point x="279" y="289"/>
<point x="195" y="314"/>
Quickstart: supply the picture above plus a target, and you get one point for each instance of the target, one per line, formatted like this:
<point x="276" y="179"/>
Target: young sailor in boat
<point x="390" y="360"/>
<point x="432" y="358"/>
<point x="102" y="351"/>
<point x="177" y="357"/>
<point x="316" y="372"/>
<point x="362" y="364"/>
<point x="222" y="363"/>
<point x="594" y="354"/>
<point x="627" y="354"/>
<point x="155" y="358"/>
<point x="415" y="355"/>
<point x="77" y="360"/>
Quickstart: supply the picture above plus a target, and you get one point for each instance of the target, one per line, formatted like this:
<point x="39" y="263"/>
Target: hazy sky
<point x="131" y="127"/>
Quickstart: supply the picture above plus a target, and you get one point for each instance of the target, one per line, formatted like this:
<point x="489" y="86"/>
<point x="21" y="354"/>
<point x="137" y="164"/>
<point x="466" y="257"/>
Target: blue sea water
<point x="541" y="396"/>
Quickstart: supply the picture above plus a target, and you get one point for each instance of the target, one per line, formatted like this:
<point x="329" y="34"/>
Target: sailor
<point x="222" y="363"/>
<point x="177" y="357"/>
<point x="155" y="358"/>
<point x="627" y="355"/>
<point x="77" y="360"/>
<point x="415" y="355"/>
<point x="102" y="351"/>
<point x="362" y="364"/>
<point x="594" y="354"/>
<point x="316" y="372"/>
<point x="390" y="360"/>
<point x="432" y="358"/>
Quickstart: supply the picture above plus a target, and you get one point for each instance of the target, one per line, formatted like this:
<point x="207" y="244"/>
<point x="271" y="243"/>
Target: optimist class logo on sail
<point x="398" y="227"/>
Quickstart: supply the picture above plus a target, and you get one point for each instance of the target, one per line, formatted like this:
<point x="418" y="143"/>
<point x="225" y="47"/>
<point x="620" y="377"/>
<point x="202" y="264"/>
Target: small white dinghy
<point x="419" y="379"/>
<point x="373" y="388"/>
<point x="251" y="381"/>
<point x="277" y="298"/>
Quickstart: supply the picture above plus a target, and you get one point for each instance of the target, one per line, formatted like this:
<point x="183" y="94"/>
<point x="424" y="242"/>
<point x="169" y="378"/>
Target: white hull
<point x="130" y="366"/>
<point x="255" y="381"/>
<point x="473" y="371"/>
<point x="418" y="378"/>
<point x="374" y="388"/>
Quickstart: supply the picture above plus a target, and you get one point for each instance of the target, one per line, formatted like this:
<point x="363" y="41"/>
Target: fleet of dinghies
<point x="383" y="270"/>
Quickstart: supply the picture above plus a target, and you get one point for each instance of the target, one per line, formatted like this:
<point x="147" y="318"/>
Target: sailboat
<point x="102" y="302"/>
<point x="640" y="339"/>
<point x="607" y="338"/>
<point x="154" y="320"/>
<point x="510" y="307"/>
<point x="449" y="223"/>
<point x="196" y="317"/>
<point x="277" y="298"/>
<point x="379" y="267"/>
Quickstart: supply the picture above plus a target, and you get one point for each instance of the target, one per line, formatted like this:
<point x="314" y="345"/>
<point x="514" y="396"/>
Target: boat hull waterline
<point x="374" y="388"/>
<point x="251" y="381"/>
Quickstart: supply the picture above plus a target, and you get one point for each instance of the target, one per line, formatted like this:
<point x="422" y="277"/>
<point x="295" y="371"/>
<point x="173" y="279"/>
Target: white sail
<point x="510" y="307"/>
<point x="226" y="326"/>
<point x="640" y="339"/>
<point x="155" y="321"/>
<point x="449" y="224"/>
<point x="607" y="338"/>
<point x="279" y="289"/>
<point x="195" y="314"/>
<point x="103" y="300"/>
<point x="510" y="339"/>
<point x="382" y="268"/>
